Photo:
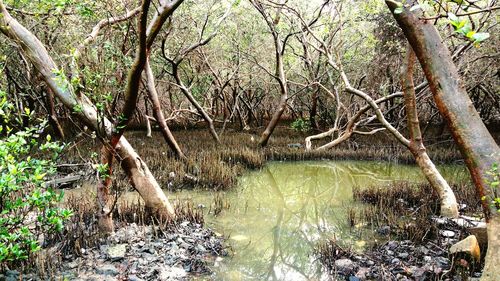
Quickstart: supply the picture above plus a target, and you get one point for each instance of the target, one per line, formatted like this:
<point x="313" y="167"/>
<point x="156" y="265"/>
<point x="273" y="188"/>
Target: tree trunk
<point x="53" y="120"/>
<point x="195" y="103"/>
<point x="314" y="109"/>
<point x="133" y="78"/>
<point x="449" y="206"/>
<point x="158" y="114"/>
<point x="475" y="142"/>
<point x="103" y="193"/>
<point x="143" y="181"/>
<point x="264" y="139"/>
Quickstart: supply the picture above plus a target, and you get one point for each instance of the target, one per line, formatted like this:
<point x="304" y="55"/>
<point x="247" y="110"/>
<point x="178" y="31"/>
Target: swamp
<point x="249" y="140"/>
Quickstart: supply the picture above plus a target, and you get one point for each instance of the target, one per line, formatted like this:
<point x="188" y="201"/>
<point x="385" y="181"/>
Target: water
<point x="277" y="214"/>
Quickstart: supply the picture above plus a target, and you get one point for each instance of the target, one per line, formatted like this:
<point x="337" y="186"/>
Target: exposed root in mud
<point x="417" y="239"/>
<point x="143" y="246"/>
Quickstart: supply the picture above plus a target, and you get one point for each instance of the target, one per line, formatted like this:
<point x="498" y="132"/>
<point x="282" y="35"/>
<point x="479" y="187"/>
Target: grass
<point x="217" y="166"/>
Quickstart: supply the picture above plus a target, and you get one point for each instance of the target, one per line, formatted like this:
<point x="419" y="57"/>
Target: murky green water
<point x="277" y="214"/>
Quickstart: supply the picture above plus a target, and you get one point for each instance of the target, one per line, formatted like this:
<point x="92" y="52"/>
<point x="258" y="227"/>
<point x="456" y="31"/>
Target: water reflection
<point x="277" y="214"/>
<point x="280" y="212"/>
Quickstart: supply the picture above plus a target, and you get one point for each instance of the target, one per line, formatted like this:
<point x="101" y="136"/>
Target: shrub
<point x="301" y="125"/>
<point x="28" y="208"/>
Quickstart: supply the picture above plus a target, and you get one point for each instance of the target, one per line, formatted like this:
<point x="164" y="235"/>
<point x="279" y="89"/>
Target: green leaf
<point x="398" y="10"/>
<point x="465" y="30"/>
<point x="470" y="34"/>
<point x="40" y="176"/>
<point x="480" y="36"/>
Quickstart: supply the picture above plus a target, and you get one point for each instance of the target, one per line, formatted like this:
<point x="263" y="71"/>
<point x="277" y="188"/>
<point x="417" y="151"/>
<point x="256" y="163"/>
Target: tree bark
<point x="471" y="135"/>
<point x="264" y="139"/>
<point x="158" y="114"/>
<point x="314" y="110"/>
<point x="156" y="202"/>
<point x="53" y="120"/>
<point x="449" y="206"/>
<point x="104" y="199"/>
<point x="133" y="77"/>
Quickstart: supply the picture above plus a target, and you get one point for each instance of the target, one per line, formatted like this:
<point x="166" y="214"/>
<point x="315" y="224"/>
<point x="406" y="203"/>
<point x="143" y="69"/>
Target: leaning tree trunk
<point x="156" y="202"/>
<point x="158" y="114"/>
<point x="139" y="174"/>
<point x="281" y="79"/>
<point x="449" y="206"/>
<point x="264" y="138"/>
<point x="471" y="135"/>
<point x="196" y="104"/>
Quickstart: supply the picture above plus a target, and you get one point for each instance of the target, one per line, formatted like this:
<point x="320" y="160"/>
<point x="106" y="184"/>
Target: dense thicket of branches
<point x="232" y="77"/>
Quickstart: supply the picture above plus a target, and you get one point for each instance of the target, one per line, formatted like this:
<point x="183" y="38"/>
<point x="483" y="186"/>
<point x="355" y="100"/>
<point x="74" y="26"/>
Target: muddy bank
<point x="413" y="242"/>
<point x="142" y="253"/>
<point x="402" y="259"/>
<point x="142" y="248"/>
<point x="137" y="253"/>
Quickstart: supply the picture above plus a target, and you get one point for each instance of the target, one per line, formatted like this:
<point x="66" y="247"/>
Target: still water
<point x="276" y="215"/>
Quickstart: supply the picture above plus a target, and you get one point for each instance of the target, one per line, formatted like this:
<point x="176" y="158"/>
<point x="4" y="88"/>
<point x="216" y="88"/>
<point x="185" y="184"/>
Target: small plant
<point x="102" y="170"/>
<point x="300" y="125"/>
<point x="494" y="184"/>
<point x="463" y="27"/>
<point x="28" y="207"/>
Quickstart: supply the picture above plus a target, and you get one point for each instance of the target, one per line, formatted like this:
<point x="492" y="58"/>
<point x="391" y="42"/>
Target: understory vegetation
<point x="210" y="166"/>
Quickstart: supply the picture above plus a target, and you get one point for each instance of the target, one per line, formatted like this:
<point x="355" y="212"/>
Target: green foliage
<point x="60" y="78"/>
<point x="464" y="28"/>
<point x="461" y="26"/>
<point x="494" y="184"/>
<point x="399" y="9"/>
<point x="103" y="170"/>
<point x="28" y="208"/>
<point x="301" y="125"/>
<point x="77" y="108"/>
